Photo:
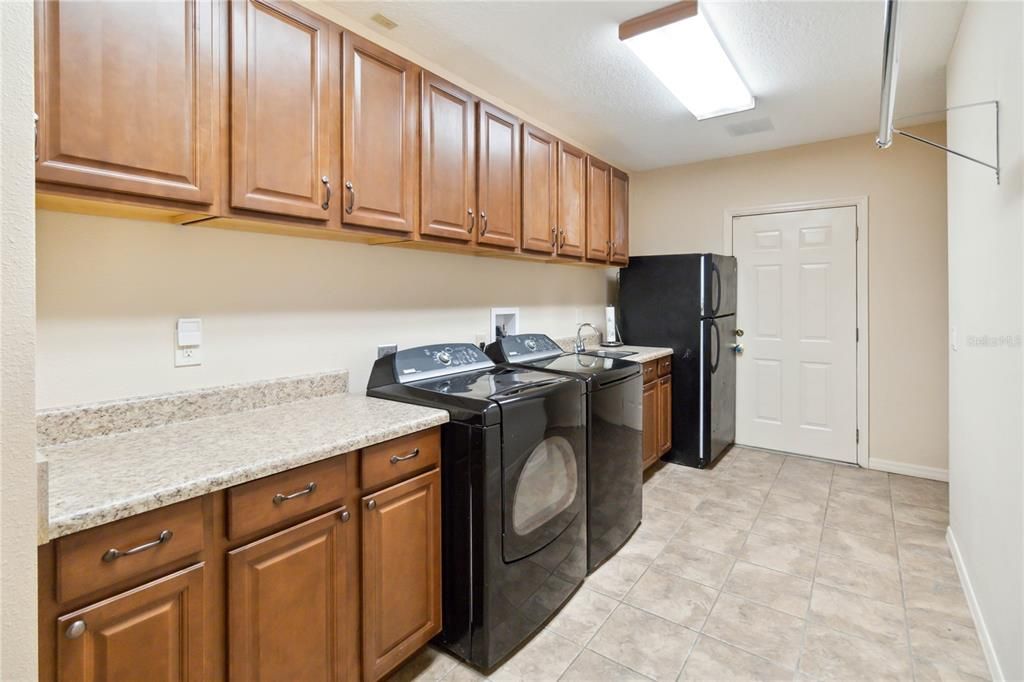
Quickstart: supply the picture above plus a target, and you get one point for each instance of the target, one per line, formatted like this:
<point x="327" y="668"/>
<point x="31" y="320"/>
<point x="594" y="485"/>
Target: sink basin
<point x="610" y="353"/>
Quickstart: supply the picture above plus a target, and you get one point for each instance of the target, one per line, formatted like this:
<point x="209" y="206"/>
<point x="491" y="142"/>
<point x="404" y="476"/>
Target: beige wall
<point x="986" y="298"/>
<point x="680" y="209"/>
<point x="17" y="354"/>
<point x="111" y="290"/>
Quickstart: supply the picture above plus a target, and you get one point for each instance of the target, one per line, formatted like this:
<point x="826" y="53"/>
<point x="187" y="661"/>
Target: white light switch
<point x="188" y="339"/>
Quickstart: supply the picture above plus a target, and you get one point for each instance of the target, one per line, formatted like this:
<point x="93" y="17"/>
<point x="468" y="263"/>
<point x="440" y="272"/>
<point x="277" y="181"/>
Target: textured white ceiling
<point x="814" y="67"/>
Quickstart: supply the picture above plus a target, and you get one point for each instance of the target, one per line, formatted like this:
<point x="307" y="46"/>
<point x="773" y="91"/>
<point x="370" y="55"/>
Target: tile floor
<point x="764" y="567"/>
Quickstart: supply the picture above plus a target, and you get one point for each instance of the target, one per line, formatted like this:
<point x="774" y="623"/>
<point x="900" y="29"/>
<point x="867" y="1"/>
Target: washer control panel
<point x="426" y="362"/>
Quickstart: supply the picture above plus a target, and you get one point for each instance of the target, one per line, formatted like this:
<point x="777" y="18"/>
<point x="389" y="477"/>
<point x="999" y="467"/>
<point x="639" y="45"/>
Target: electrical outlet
<point x="187" y="356"/>
<point x="386" y="349"/>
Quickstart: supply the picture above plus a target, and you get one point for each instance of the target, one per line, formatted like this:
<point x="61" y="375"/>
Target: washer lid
<point x="588" y="367"/>
<point x="495" y="384"/>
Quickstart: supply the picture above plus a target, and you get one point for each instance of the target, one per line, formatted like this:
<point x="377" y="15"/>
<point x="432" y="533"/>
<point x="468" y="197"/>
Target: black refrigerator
<point x="687" y="302"/>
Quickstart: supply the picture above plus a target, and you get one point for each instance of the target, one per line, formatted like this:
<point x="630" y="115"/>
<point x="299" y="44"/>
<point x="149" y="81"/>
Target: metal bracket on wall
<point x="993" y="103"/>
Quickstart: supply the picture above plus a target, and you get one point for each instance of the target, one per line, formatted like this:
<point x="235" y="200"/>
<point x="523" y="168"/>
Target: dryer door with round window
<point x="543" y="465"/>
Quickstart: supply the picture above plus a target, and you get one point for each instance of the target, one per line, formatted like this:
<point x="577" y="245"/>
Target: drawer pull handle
<point x="75" y="630"/>
<point x="164" y="537"/>
<point x="395" y="459"/>
<point x="281" y="497"/>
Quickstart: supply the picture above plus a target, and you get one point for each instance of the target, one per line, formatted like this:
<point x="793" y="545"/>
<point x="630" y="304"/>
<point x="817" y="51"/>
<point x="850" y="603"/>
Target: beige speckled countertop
<point x="642" y="353"/>
<point x="97" y="480"/>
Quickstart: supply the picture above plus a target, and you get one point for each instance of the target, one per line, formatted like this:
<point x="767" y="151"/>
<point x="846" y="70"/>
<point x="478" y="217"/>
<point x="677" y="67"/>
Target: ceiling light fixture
<point x="677" y="44"/>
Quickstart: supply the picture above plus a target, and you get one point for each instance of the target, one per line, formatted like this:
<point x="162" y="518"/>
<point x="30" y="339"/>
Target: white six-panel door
<point x="796" y="379"/>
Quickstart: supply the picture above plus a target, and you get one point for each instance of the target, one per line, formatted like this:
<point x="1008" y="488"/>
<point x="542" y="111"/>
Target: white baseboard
<point x="994" y="669"/>
<point x="917" y="470"/>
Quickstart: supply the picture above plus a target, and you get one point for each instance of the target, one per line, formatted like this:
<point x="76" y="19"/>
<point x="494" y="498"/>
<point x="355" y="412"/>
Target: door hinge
<point x="856" y="236"/>
<point x="858" y="435"/>
<point x="858" y="334"/>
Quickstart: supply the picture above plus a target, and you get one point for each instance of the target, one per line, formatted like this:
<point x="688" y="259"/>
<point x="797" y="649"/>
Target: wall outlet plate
<point x="187" y="356"/>
<point x="386" y="349"/>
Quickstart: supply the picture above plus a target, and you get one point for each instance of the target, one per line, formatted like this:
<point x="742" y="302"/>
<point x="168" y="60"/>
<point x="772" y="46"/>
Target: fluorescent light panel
<point x="687" y="57"/>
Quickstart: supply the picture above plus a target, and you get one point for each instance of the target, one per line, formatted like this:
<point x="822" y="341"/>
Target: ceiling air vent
<point x="758" y="125"/>
<point x="383" y="21"/>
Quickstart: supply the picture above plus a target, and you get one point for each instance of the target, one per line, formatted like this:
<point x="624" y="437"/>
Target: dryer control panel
<point x="527" y="347"/>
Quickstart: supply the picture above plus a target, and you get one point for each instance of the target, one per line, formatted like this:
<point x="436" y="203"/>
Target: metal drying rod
<point x="887" y="104"/>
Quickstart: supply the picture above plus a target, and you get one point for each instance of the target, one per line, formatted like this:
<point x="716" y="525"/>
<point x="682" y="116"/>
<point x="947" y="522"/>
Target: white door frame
<point x="861" y="205"/>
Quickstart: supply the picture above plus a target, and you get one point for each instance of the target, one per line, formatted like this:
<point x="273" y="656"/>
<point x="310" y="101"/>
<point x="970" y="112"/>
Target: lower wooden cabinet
<point x="664" y="415"/>
<point x="657" y="409"/>
<point x="288" y="598"/>
<point x="153" y="632"/>
<point x="401" y="572"/>
<point x="191" y="593"/>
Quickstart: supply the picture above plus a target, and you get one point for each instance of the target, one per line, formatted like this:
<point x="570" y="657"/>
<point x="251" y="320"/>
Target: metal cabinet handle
<point x="164" y="537"/>
<point x="561" y="243"/>
<point x="35" y="126"/>
<point x="483" y="223"/>
<point x="554" y="237"/>
<point x="281" y="497"/>
<point x="351" y="196"/>
<point x="327" y="200"/>
<point x="345" y="515"/>
<point x="75" y="630"/>
<point x="395" y="459"/>
<point x="371" y="504"/>
<point x="472" y="221"/>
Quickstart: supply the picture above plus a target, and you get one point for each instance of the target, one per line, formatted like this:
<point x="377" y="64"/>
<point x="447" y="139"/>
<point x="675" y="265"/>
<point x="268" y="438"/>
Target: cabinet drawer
<point x="665" y="366"/>
<point x="399" y="458"/>
<point x="650" y="371"/>
<point x="106" y="555"/>
<point x="271" y="501"/>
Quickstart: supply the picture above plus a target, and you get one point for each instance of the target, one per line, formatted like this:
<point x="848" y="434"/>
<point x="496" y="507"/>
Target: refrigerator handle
<point x="716" y="346"/>
<point x="716" y="288"/>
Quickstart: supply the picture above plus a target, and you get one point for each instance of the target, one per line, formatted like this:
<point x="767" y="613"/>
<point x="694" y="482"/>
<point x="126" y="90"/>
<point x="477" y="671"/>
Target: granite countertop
<point x="97" y="480"/>
<point x="642" y="353"/>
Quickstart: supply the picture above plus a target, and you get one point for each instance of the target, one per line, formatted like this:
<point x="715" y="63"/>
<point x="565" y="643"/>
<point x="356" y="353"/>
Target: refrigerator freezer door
<point x="719" y="290"/>
<point x="659" y="300"/>
<point x="718" y="387"/>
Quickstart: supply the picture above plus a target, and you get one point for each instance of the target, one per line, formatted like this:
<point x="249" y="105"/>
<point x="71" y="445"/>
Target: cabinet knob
<point x="345" y="515"/>
<point x="75" y="630"/>
<point x="371" y="504"/>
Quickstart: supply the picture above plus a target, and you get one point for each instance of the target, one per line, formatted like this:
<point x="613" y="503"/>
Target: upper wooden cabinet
<point x="288" y="599"/>
<point x="126" y="97"/>
<point x="380" y="144"/>
<point x="599" y="209"/>
<point x="448" y="158"/>
<point x="280" y="110"/>
<point x="153" y="632"/>
<point x="572" y="200"/>
<point x="401" y="572"/>
<point x="498" y="192"/>
<point x="540" y="190"/>
<point x="620" y="217"/>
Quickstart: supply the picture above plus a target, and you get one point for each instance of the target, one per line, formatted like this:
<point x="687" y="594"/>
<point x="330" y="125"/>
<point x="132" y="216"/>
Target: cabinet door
<point x="448" y="160"/>
<point x="280" y="110"/>
<point x="599" y="209"/>
<point x="154" y="632"/>
<point x="650" y="423"/>
<point x="126" y="97"/>
<point x="401" y="571"/>
<point x="380" y="147"/>
<point x="288" y="596"/>
<point x="498" y="185"/>
<point x="664" y="415"/>
<point x="572" y="205"/>
<point x="620" y="217"/>
<point x="540" y="190"/>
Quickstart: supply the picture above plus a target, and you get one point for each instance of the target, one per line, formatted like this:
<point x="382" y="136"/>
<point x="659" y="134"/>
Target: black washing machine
<point x="513" y="492"/>
<point x="614" y="434"/>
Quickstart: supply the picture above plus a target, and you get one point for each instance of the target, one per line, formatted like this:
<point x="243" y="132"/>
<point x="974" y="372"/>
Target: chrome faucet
<point x="579" y="346"/>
